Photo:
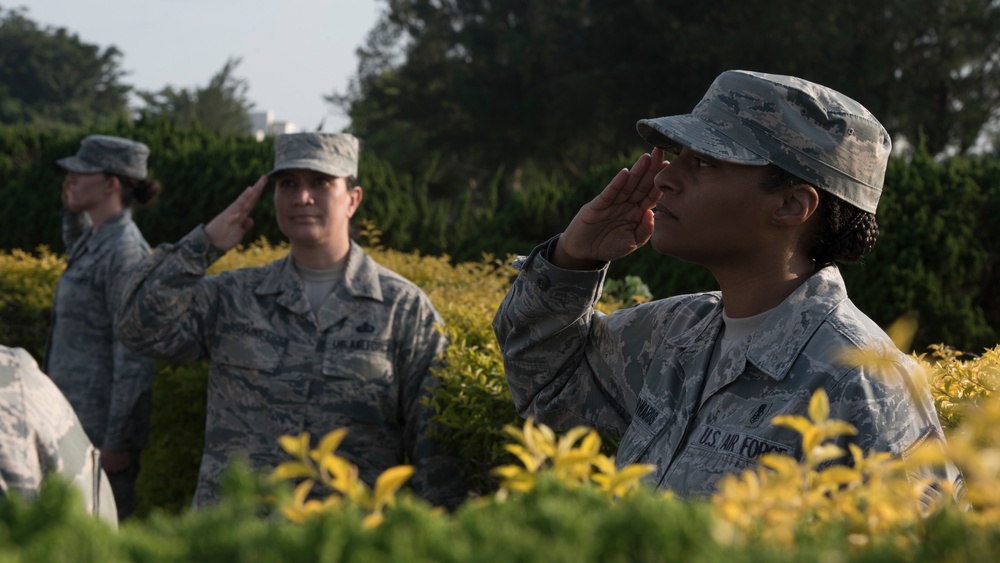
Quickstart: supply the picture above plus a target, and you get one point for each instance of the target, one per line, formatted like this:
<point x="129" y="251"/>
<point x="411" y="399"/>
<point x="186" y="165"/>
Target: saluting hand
<point x="616" y="222"/>
<point x="228" y="227"/>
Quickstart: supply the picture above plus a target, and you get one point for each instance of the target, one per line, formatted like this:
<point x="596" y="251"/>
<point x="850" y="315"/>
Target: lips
<point x="661" y="211"/>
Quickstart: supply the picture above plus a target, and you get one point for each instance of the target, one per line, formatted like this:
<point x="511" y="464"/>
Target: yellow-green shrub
<point x="473" y="404"/>
<point x="27" y="284"/>
<point x="958" y="382"/>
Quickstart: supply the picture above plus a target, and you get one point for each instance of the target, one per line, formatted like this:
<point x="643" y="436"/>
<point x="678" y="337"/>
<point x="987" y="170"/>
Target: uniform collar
<point x="360" y="277"/>
<point x="776" y="344"/>
<point x="361" y="274"/>
<point x="784" y="333"/>
<point x="109" y="229"/>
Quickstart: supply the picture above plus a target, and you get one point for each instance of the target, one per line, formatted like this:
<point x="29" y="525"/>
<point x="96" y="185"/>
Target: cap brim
<point x="673" y="132"/>
<point x="311" y="164"/>
<point x="74" y="164"/>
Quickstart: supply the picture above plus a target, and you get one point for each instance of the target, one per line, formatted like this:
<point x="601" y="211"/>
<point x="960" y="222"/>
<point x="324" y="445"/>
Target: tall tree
<point x="220" y="106"/>
<point x="48" y="75"/>
<point x="560" y="83"/>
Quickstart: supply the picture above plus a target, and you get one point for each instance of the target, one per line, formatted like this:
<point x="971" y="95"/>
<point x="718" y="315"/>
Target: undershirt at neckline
<point x="734" y="331"/>
<point x="319" y="284"/>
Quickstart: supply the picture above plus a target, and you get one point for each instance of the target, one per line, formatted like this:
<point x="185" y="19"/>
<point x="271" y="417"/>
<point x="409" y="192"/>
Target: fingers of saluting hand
<point x="642" y="174"/>
<point x="635" y="185"/>
<point x="246" y="200"/>
<point x="228" y="227"/>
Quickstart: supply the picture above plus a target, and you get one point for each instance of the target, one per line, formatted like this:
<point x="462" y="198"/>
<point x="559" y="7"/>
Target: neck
<point x="99" y="214"/>
<point x="750" y="291"/>
<point x="321" y="257"/>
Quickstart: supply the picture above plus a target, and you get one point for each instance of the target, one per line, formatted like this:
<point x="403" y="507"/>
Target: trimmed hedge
<point x="552" y="523"/>
<point x="201" y="173"/>
<point x="936" y="256"/>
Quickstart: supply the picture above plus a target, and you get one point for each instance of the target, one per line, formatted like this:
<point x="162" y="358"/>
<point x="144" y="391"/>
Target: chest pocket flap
<point x="249" y="348"/>
<point x="358" y="359"/>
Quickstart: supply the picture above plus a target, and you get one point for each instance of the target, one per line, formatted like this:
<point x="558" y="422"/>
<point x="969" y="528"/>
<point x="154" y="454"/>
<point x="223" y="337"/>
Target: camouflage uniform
<point x="39" y="434"/>
<point x="640" y="373"/>
<point x="362" y="361"/>
<point x="107" y="384"/>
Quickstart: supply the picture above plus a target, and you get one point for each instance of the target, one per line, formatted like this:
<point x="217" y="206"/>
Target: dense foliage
<point x="557" y="85"/>
<point x="566" y="502"/>
<point x="50" y="77"/>
<point x="220" y="106"/>
<point x="935" y="257"/>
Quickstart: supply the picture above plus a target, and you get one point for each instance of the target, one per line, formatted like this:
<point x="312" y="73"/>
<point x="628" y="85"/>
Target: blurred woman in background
<point x="107" y="384"/>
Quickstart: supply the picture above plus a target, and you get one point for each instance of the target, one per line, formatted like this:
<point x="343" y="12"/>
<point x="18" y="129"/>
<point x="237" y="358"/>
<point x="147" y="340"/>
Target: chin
<point x="298" y="233"/>
<point x="661" y="243"/>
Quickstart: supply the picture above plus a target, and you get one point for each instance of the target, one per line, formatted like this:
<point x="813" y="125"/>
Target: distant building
<point x="263" y="125"/>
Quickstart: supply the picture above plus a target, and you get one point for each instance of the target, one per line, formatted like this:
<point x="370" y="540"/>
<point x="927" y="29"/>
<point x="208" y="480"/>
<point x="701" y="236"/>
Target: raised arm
<point x="565" y="363"/>
<point x="167" y="303"/>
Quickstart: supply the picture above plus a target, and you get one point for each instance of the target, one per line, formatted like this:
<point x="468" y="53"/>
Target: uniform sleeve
<point x="893" y="412"/>
<point x="74" y="225"/>
<point x="59" y="440"/>
<point x="132" y="372"/>
<point x="168" y="302"/>
<point x="437" y="476"/>
<point x="566" y="363"/>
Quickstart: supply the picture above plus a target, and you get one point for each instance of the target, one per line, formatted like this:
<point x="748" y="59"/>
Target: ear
<point x="113" y="186"/>
<point x="798" y="203"/>
<point x="356" y="195"/>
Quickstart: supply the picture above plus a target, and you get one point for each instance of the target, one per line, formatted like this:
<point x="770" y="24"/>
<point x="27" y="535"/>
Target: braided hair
<point x="845" y="233"/>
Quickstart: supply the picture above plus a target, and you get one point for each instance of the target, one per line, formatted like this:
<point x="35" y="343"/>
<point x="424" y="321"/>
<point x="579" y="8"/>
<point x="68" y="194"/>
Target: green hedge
<point x="936" y="256"/>
<point x="201" y="173"/>
<point x="550" y="524"/>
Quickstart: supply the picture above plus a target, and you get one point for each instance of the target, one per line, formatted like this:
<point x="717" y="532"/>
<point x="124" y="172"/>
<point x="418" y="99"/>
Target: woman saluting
<point x="107" y="384"/>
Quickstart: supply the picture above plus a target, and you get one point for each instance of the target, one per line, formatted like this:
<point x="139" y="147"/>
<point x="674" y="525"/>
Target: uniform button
<point x="542" y="282"/>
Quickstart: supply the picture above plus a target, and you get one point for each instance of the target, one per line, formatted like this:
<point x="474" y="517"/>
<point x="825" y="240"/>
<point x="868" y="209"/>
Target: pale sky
<point x="294" y="51"/>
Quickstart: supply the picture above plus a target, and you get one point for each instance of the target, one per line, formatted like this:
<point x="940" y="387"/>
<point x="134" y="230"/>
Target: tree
<point x="559" y="84"/>
<point x="221" y="106"/>
<point x="48" y="75"/>
<point x="929" y="69"/>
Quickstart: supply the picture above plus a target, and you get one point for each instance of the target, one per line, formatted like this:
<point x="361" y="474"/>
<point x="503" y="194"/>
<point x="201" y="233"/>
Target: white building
<point x="264" y="125"/>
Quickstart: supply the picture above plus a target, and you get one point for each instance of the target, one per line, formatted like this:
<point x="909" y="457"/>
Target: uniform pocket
<point x="647" y="422"/>
<point x="244" y="349"/>
<point x="358" y="360"/>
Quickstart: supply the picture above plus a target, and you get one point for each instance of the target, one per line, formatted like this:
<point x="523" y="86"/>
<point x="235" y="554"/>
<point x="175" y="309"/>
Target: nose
<point x="301" y="196"/>
<point x="666" y="179"/>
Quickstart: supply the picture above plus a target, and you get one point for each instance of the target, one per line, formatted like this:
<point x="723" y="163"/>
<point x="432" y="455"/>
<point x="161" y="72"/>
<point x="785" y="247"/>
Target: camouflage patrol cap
<point x="335" y="154"/>
<point x="816" y="133"/>
<point x="104" y="153"/>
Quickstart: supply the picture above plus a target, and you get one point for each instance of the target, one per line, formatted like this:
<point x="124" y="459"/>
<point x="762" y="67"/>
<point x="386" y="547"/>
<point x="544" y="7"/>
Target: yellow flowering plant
<point x="872" y="494"/>
<point x="574" y="458"/>
<point x="322" y="467"/>
<point x="958" y="382"/>
<point x="783" y="496"/>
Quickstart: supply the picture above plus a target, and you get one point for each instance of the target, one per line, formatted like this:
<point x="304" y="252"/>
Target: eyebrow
<point x="708" y="158"/>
